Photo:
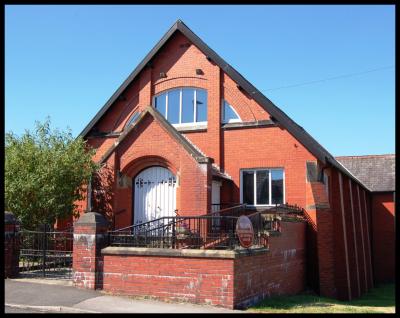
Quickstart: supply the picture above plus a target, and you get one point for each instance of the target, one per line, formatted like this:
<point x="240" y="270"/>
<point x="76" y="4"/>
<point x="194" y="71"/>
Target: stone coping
<point x="194" y="253"/>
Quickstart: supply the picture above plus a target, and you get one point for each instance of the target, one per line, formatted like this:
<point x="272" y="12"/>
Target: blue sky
<point x="66" y="61"/>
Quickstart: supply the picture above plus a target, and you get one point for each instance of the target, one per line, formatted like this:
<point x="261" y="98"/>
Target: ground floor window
<point x="262" y="186"/>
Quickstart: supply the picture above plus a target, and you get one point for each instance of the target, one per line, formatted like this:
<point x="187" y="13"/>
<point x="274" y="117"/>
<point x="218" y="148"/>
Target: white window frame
<point x="236" y="120"/>
<point x="254" y="170"/>
<point x="183" y="125"/>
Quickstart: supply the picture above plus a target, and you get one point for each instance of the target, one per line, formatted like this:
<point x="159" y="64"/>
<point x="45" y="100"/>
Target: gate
<point x="46" y="253"/>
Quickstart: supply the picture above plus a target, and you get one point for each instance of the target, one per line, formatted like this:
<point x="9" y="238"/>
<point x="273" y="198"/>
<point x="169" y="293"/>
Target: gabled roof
<point x="277" y="114"/>
<point x="377" y="172"/>
<point x="193" y="151"/>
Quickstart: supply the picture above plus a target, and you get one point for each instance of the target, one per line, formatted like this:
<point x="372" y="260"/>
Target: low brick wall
<point x="281" y="271"/>
<point x="192" y="279"/>
<point x="230" y="279"/>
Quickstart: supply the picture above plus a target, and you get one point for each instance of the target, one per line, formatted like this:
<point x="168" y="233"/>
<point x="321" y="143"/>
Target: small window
<point x="262" y="186"/>
<point x="229" y="114"/>
<point x="183" y="106"/>
<point x="133" y="119"/>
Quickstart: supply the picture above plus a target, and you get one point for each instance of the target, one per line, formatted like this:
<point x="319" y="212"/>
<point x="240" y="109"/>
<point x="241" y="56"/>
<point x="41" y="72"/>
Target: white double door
<point x="154" y="194"/>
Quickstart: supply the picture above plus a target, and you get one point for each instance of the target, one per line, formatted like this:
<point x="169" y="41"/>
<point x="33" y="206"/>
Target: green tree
<point x="46" y="172"/>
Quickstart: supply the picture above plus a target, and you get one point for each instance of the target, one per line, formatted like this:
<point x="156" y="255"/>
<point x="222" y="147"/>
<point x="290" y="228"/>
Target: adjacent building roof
<point x="377" y="172"/>
<point x="277" y="114"/>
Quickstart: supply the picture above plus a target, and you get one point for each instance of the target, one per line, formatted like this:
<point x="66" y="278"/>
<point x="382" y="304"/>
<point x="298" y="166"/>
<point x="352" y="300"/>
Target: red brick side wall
<point x="383" y="236"/>
<point x="340" y="242"/>
<point x="344" y="240"/>
<point x="229" y="283"/>
<point x="325" y="242"/>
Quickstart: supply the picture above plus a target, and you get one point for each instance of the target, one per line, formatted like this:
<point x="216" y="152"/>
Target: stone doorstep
<point x="195" y="253"/>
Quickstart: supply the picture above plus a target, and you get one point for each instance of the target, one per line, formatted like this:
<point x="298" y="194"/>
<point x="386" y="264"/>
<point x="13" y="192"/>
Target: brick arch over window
<point x="144" y="162"/>
<point x="179" y="82"/>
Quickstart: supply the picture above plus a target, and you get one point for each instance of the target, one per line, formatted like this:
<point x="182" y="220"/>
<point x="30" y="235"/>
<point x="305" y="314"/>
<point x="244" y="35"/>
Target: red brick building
<point x="186" y="132"/>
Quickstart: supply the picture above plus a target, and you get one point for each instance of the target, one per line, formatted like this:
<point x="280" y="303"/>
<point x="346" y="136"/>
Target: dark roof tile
<point x="377" y="172"/>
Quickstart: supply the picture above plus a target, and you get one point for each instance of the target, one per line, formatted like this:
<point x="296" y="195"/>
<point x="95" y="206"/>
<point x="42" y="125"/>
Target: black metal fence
<point x="46" y="252"/>
<point x="215" y="230"/>
<point x="179" y="232"/>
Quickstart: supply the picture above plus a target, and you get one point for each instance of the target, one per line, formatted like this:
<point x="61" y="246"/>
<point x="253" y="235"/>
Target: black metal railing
<point x="215" y="230"/>
<point x="206" y="232"/>
<point x="46" y="252"/>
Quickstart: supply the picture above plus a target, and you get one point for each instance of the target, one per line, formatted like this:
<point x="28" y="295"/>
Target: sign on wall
<point x="244" y="231"/>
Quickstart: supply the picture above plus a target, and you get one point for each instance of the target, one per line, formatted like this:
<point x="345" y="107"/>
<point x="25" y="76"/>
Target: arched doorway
<point x="154" y="194"/>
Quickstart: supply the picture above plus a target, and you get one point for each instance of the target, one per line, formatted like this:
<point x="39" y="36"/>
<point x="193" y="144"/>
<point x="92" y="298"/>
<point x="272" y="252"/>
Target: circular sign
<point x="245" y="232"/>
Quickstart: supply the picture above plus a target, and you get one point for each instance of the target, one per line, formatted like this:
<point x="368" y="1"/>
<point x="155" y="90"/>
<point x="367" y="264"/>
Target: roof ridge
<point x="368" y="156"/>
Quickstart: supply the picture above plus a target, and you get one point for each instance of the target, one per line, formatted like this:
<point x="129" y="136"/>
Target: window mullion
<point x="195" y="106"/>
<point x="180" y="106"/>
<point x="269" y="188"/>
<point x="166" y="106"/>
<point x="255" y="189"/>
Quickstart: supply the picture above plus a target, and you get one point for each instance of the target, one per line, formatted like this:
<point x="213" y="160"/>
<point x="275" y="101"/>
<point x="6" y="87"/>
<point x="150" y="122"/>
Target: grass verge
<point x="378" y="300"/>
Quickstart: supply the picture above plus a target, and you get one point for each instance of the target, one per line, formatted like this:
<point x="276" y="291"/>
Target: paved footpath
<point x="37" y="295"/>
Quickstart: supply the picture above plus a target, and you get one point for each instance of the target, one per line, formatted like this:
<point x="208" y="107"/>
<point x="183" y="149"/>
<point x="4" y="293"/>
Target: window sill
<point x="189" y="128"/>
<point x="248" y="124"/>
<point x="259" y="207"/>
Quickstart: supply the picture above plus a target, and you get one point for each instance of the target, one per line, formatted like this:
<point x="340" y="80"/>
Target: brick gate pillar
<point x="90" y="236"/>
<point x="11" y="245"/>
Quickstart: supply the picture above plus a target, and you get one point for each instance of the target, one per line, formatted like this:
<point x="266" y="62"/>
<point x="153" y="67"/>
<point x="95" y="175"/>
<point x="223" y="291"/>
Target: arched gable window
<point x="229" y="115"/>
<point x="183" y="106"/>
<point x="132" y="119"/>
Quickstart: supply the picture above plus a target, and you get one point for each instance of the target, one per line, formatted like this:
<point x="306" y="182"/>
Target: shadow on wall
<point x="103" y="192"/>
<point x="383" y="237"/>
<point x="312" y="269"/>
